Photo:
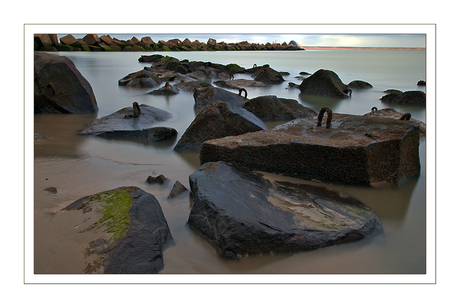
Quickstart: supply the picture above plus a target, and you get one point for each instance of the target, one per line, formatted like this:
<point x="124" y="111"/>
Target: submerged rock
<point x="355" y="150"/>
<point x="132" y="235"/>
<point x="407" y="98"/>
<point x="145" y="78"/>
<point x="216" y="121"/>
<point x="177" y="189"/>
<point x="267" y="75"/>
<point x="272" y="108"/>
<point x="359" y="84"/>
<point x="239" y="83"/>
<point x="243" y="213"/>
<point x="124" y="122"/>
<point x="59" y="87"/>
<point x="325" y="83"/>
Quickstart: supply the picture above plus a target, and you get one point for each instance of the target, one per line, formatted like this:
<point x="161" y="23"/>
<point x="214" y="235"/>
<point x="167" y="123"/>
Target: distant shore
<point x="362" y="48"/>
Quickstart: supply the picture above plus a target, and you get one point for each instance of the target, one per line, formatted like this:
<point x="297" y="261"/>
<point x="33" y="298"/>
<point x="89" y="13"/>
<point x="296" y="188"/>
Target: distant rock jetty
<point x="92" y="42"/>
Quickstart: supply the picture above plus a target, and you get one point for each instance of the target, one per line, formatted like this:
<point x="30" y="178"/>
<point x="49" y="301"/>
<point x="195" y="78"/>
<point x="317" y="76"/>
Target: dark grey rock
<point x="359" y="84"/>
<point x="267" y="75"/>
<point x="59" y="87"/>
<point x="177" y="189"/>
<point x="272" y="108"/>
<point x="407" y="98"/>
<point x="325" y="83"/>
<point x="123" y="122"/>
<point x="216" y="121"/>
<point x="161" y="179"/>
<point x="145" y="78"/>
<point x="243" y="213"/>
<point x="166" y="90"/>
<point x="206" y="96"/>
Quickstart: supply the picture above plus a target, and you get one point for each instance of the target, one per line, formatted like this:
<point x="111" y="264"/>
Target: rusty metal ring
<point x="329" y="116"/>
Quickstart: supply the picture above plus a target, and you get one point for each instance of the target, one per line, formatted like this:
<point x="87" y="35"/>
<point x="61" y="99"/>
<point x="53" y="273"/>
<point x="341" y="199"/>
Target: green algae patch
<point x="114" y="208"/>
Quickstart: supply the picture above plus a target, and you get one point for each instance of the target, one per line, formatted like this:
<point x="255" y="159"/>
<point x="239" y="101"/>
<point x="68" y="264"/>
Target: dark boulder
<point x="421" y="83"/>
<point x="135" y="231"/>
<point x="272" y="108"/>
<point x="125" y="122"/>
<point x="206" y="96"/>
<point x="267" y="75"/>
<point x="242" y="213"/>
<point x="216" y="121"/>
<point x="359" y="84"/>
<point x="161" y="179"/>
<point x="146" y="78"/>
<point x="151" y="58"/>
<point x="166" y="90"/>
<point x="59" y="87"/>
<point x="325" y="83"/>
<point x="407" y="98"/>
<point x="355" y="150"/>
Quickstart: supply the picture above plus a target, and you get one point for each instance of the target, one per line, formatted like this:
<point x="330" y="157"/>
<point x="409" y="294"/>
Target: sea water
<point x="82" y="165"/>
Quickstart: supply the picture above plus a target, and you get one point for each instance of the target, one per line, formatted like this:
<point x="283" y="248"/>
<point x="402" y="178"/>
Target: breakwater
<point x="93" y="42"/>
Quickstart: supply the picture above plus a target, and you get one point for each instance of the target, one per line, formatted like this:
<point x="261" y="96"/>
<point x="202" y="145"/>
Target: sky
<point x="330" y="40"/>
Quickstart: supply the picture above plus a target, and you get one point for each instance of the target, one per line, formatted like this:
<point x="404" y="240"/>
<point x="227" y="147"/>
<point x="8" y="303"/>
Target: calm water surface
<point x="82" y="165"/>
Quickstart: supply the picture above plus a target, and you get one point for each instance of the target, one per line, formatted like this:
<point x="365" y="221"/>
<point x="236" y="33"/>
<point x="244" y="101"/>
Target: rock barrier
<point x="91" y="42"/>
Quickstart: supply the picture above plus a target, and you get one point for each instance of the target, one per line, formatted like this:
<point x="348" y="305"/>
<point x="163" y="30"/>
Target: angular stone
<point x="391" y="113"/>
<point x="356" y="150"/>
<point x="272" y="108"/>
<point x="243" y="213"/>
<point x="177" y="189"/>
<point x="206" y="96"/>
<point x="216" y="121"/>
<point x="68" y="40"/>
<point x="91" y="39"/>
<point x="106" y="39"/>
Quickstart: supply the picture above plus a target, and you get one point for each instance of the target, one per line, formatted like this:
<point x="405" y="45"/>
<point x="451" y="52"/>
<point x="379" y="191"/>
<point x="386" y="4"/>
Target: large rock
<point x="408" y="98"/>
<point x="267" y="75"/>
<point x="59" y="87"/>
<point x="272" y="108"/>
<point x="216" y="121"/>
<point x="243" y="213"/>
<point x="355" y="150"/>
<point x="206" y="96"/>
<point x="239" y="84"/>
<point x="132" y="235"/>
<point x="325" y="83"/>
<point x="91" y="39"/>
<point x="124" y="120"/>
<point x="145" y="78"/>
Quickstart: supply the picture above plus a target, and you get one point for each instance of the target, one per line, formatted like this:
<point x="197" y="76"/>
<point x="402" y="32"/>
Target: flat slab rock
<point x="242" y="213"/>
<point x="356" y="150"/>
<point x="122" y="120"/>
<point x="136" y="249"/>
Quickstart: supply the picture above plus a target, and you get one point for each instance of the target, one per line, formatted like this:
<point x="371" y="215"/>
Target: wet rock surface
<point x="59" y="87"/>
<point x="218" y="120"/>
<point x="355" y="150"/>
<point x="391" y="113"/>
<point x="359" y="84"/>
<point x="272" y="108"/>
<point x="243" y="213"/>
<point x="130" y="231"/>
<point x="325" y="83"/>
<point x="206" y="96"/>
<point x="124" y="122"/>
